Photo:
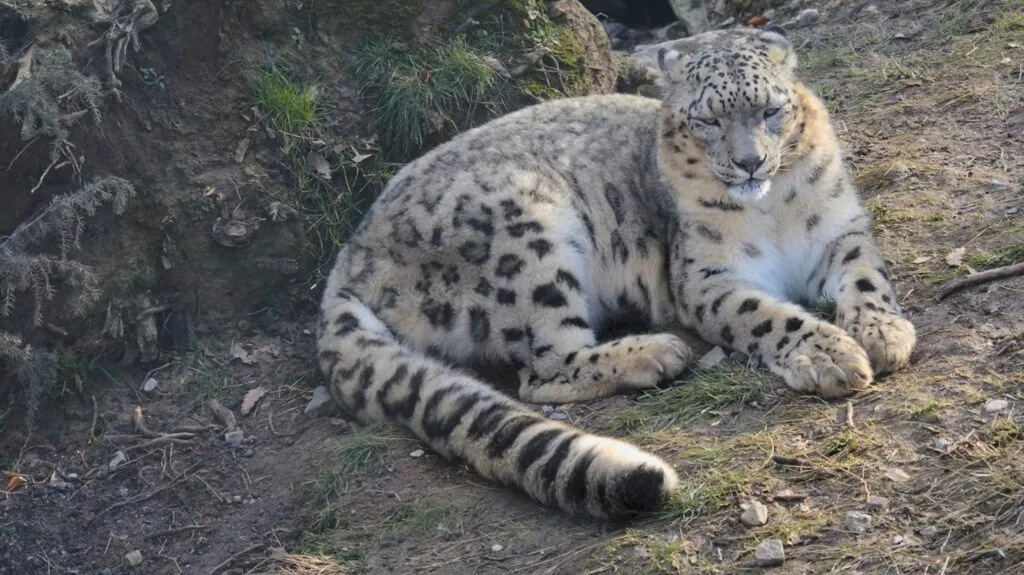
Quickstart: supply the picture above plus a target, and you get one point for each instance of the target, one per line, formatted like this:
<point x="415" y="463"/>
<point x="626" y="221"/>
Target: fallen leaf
<point x="251" y="398"/>
<point x="15" y="482"/>
<point x="240" y="353"/>
<point x="923" y="259"/>
<point x="360" y="158"/>
<point x="956" y="257"/>
<point x="319" y="164"/>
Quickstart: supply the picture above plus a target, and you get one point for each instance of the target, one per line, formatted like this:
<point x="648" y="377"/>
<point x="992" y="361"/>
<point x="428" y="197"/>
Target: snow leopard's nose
<point x="749" y="164"/>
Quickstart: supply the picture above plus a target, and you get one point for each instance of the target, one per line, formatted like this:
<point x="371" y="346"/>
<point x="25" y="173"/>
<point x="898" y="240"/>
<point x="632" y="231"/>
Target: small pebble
<point x="72" y="476"/>
<point x="808" y="16"/>
<point x="559" y="416"/>
<point x="417" y="454"/>
<point x="770" y="553"/>
<point x="896" y="474"/>
<point x="547" y="409"/>
<point x="712" y="358"/>
<point x="234" y="437"/>
<point x="133" y="558"/>
<point x="321" y="404"/>
<point x="755" y="514"/>
<point x="943" y="445"/>
<point x="996" y="405"/>
<point x="929" y="532"/>
<point x="878" y="502"/>
<point x="496" y="548"/>
<point x="857" y="521"/>
<point x="149" y="386"/>
<point x="236" y="499"/>
<point x="117" y="461"/>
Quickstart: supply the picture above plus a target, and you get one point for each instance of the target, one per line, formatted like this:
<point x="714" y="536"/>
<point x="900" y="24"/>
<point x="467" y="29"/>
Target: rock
<point x="896" y="474"/>
<point x="878" y="502"/>
<point x="234" y="437"/>
<point x="712" y="358"/>
<point x="930" y="532"/>
<point x="117" y="461"/>
<point x="133" y="558"/>
<point x="770" y="553"/>
<point x="804" y="18"/>
<point x="321" y="404"/>
<point x="559" y="416"/>
<point x="496" y="548"/>
<point x="857" y="521"/>
<point x="755" y="514"/>
<point x="943" y="445"/>
<point x="417" y="454"/>
<point x="149" y="386"/>
<point x="996" y="405"/>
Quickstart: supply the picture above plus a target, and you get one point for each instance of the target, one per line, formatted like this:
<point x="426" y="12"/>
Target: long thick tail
<point x="376" y="378"/>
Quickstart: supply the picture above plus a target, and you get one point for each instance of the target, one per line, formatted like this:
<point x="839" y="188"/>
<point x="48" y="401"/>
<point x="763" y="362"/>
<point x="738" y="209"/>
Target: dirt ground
<point x="924" y="474"/>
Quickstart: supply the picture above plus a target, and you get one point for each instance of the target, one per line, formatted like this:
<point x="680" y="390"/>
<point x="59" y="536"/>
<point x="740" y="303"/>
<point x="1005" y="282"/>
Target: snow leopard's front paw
<point x="830" y="364"/>
<point x="889" y="339"/>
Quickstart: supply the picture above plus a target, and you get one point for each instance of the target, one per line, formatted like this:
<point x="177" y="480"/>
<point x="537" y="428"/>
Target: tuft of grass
<point x="818" y="60"/>
<point x="321" y="547"/>
<point x="363" y="452"/>
<point x="335" y="182"/>
<point x="704" y="494"/>
<point x="704" y="392"/>
<point x="1003" y="432"/>
<point x="419" y="517"/>
<point x="825" y="310"/>
<point x="1007" y="256"/>
<point x="956" y="25"/>
<point x="292" y="108"/>
<point x="201" y="373"/>
<point x="416" y="94"/>
<point x="926" y="411"/>
<point x="1010" y="22"/>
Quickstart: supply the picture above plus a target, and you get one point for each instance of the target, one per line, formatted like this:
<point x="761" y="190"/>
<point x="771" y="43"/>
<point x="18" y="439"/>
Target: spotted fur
<point x="517" y="241"/>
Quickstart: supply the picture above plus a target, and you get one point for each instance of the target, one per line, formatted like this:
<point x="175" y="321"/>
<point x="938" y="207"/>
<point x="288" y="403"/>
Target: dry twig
<point x="980" y="278"/>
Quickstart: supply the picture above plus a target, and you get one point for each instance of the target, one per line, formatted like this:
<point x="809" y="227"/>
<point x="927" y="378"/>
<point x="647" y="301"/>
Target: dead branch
<point x="980" y="278"/>
<point x="225" y="415"/>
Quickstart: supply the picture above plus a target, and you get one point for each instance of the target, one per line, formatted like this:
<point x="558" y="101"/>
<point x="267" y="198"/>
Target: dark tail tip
<point x="642" y="489"/>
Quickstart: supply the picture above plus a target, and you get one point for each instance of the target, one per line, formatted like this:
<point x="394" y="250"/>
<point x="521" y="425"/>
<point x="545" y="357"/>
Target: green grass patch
<point x="416" y="94"/>
<point x="293" y="108"/>
<point x="825" y="310"/>
<point x="419" y="518"/>
<point x="1007" y="256"/>
<point x="704" y="494"/>
<point x="364" y="452"/>
<point x="702" y="394"/>
<point x="335" y="183"/>
<point x="956" y="24"/>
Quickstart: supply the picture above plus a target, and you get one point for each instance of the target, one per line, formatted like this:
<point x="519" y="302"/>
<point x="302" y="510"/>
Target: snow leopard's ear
<point x="666" y="58"/>
<point x="780" y="50"/>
